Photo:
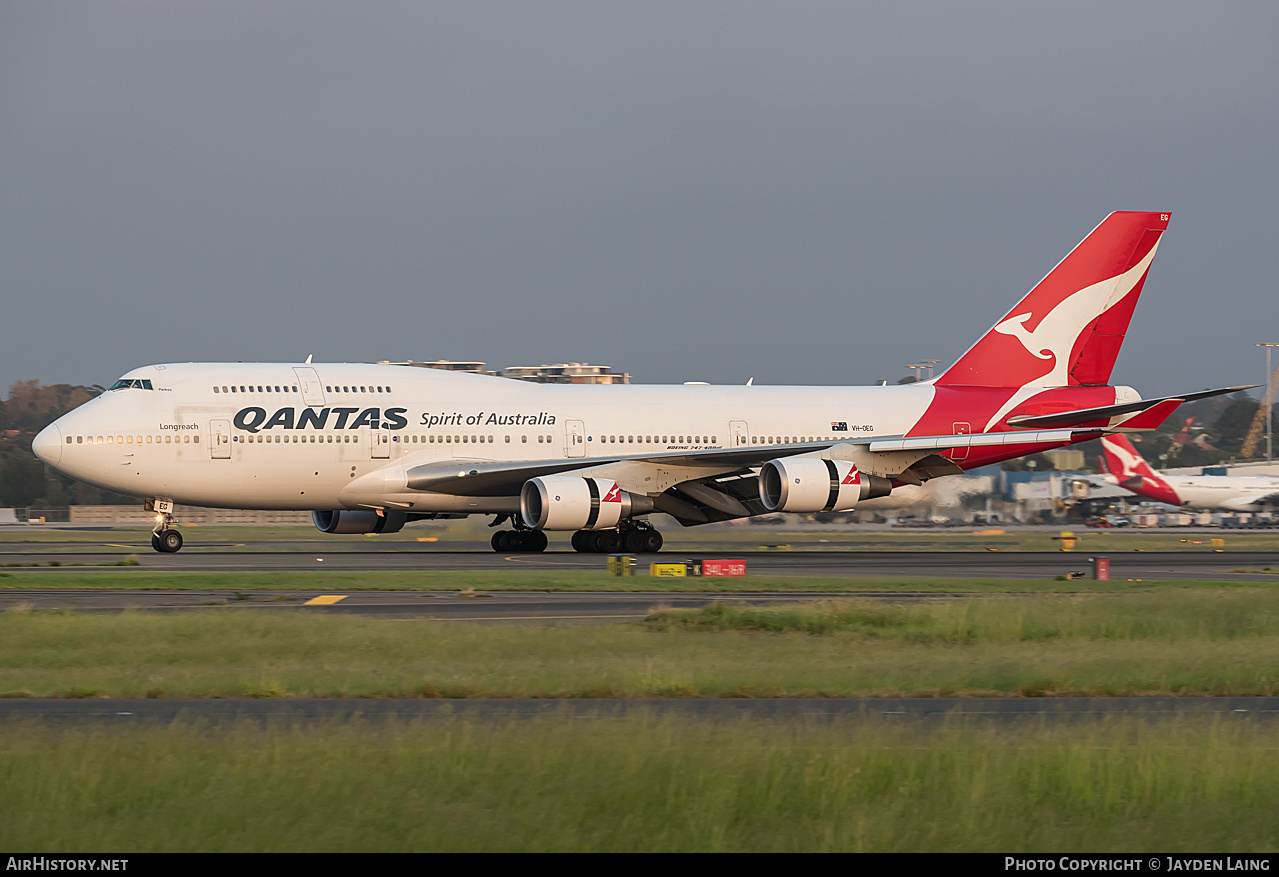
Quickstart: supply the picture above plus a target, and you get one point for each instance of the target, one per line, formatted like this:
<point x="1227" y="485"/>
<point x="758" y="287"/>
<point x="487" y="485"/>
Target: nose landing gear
<point x="164" y="538"/>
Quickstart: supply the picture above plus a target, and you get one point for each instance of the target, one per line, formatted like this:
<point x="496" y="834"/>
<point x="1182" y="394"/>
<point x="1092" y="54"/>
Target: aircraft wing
<point x="1270" y="499"/>
<point x="476" y="478"/>
<point x="1146" y="414"/>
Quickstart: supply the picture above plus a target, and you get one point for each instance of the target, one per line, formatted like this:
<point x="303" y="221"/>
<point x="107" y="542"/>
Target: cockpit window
<point x="131" y="383"/>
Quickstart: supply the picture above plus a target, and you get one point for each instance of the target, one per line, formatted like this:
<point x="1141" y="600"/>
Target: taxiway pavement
<point x="1207" y="564"/>
<point x="216" y="711"/>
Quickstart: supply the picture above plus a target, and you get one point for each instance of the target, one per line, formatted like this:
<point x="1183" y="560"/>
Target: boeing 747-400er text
<point x="1124" y="465"/>
<point x="368" y="447"/>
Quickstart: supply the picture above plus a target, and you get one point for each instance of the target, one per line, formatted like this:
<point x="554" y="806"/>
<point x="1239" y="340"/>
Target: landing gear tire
<point x="167" y="541"/>
<point x="647" y="541"/>
<point x="637" y="540"/>
<point x="527" y="541"/>
<point x="651" y="542"/>
<point x="606" y="542"/>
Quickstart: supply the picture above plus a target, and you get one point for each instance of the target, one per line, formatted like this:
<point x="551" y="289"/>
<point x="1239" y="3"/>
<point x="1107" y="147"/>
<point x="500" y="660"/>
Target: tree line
<point x="25" y="482"/>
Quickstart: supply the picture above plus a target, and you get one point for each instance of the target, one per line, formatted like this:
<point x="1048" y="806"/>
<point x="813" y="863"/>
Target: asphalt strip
<point x="991" y="709"/>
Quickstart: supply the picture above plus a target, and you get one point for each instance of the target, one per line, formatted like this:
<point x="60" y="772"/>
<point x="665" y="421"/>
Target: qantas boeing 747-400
<point x="367" y="448"/>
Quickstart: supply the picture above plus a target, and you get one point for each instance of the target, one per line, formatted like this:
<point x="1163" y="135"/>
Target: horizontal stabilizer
<point x="1160" y="408"/>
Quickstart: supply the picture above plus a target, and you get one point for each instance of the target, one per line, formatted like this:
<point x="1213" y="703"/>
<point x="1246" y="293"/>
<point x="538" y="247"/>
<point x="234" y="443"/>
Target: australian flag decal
<point x="839" y="426"/>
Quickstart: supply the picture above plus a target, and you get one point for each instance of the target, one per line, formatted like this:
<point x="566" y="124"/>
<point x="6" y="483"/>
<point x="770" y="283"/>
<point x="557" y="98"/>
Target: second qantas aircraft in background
<point x="1124" y="466"/>
<point x="369" y="447"/>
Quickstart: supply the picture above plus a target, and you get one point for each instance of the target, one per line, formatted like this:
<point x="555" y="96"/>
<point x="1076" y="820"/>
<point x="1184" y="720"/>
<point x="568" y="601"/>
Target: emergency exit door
<point x="961" y="428"/>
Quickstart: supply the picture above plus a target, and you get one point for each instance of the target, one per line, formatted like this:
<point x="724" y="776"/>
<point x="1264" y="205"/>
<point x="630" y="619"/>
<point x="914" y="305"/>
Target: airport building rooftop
<point x="559" y="373"/>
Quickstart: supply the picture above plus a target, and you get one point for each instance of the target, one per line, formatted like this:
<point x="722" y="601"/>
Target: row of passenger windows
<point x="348" y="438"/>
<point x="655" y="439"/>
<point x="444" y="439"/>
<point x="275" y="388"/>
<point x="786" y="440"/>
<point x="258" y="389"/>
<point x="129" y="439"/>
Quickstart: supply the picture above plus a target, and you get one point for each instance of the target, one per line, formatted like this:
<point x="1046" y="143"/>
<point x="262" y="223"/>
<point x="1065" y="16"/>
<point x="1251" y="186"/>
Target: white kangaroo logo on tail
<point x="1128" y="462"/>
<point x="1057" y="332"/>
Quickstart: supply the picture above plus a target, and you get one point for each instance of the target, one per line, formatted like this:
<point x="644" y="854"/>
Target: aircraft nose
<point x="47" y="445"/>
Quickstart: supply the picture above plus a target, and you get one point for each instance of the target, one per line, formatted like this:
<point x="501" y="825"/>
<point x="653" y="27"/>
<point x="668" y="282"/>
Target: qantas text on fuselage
<point x="369" y="447"/>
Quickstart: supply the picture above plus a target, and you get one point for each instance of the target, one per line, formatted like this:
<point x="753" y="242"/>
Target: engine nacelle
<point x="358" y="521"/>
<point x="566" y="502"/>
<point x="810" y="484"/>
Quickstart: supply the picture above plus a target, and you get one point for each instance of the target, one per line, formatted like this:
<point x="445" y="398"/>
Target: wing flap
<point x="981" y="440"/>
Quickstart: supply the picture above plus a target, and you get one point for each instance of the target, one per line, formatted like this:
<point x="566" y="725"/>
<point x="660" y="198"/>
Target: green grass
<point x="1184" y="642"/>
<point x="643" y="783"/>
<point x="470" y="534"/>
<point x="1187" y="616"/>
<point x="127" y="577"/>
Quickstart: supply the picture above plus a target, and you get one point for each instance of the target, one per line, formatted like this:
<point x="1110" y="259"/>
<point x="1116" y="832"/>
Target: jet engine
<point x="810" y="484"/>
<point x="358" y="521"/>
<point x="566" y="502"/>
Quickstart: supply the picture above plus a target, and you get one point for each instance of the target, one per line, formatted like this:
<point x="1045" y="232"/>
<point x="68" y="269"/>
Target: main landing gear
<point x="635" y="537"/>
<point x="531" y="541"/>
<point x="164" y="538"/>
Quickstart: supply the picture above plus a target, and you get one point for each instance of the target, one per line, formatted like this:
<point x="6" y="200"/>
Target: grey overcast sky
<point x="799" y="192"/>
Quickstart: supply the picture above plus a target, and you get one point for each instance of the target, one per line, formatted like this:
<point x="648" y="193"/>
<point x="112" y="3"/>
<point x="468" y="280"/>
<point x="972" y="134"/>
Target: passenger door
<point x="220" y="439"/>
<point x="576" y="439"/>
<point x="309" y="384"/>
<point x="380" y="444"/>
<point x="738" y="431"/>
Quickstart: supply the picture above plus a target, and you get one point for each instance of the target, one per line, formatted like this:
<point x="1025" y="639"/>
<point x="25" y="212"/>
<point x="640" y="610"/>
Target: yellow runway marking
<point x="524" y="558"/>
<point x="525" y="617"/>
<point x="325" y="600"/>
<point x="117" y="545"/>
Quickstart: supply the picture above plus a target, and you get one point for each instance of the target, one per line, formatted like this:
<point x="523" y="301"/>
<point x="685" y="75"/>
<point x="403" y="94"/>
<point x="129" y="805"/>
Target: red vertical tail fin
<point x="1134" y="473"/>
<point x="1122" y="459"/>
<point x="1067" y="331"/>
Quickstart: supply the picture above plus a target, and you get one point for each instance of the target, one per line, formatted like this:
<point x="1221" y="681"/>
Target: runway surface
<point x="996" y="709"/>
<point x="969" y="564"/>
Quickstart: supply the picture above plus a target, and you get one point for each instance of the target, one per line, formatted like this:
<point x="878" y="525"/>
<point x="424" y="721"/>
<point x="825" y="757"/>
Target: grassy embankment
<point x="1170" y="642"/>
<point x="644" y="783"/>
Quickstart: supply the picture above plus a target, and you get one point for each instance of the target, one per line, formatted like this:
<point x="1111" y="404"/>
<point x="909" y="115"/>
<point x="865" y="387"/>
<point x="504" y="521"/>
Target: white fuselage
<point x="1213" y="492"/>
<point x="1223" y="492"/>
<point x="324" y="436"/>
